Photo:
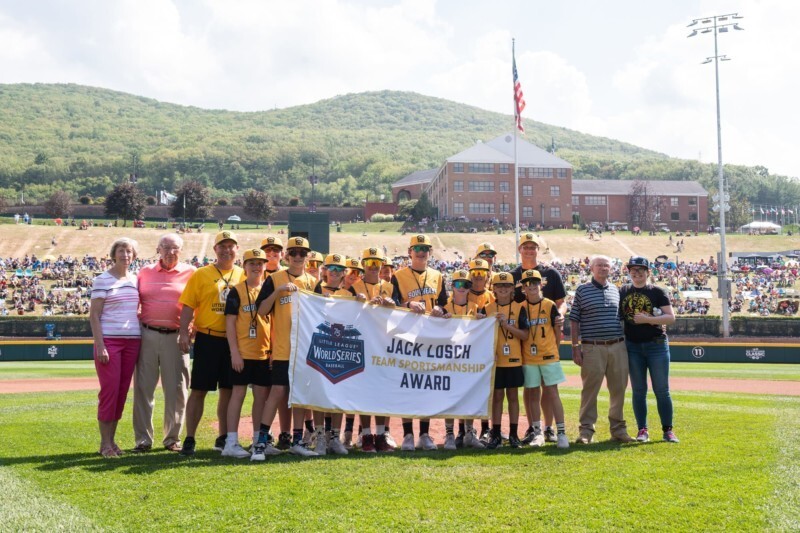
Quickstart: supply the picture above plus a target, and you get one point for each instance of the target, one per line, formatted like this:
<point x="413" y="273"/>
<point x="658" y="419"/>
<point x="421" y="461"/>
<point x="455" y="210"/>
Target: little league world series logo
<point x="336" y="352"/>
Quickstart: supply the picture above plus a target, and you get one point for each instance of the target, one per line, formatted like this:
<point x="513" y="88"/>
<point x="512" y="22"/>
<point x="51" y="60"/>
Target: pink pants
<point x="115" y="377"/>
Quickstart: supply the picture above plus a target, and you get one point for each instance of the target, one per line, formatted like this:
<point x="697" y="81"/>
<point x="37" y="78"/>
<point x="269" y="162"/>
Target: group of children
<point x="258" y="320"/>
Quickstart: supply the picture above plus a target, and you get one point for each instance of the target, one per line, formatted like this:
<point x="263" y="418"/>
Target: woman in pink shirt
<point x="117" y="337"/>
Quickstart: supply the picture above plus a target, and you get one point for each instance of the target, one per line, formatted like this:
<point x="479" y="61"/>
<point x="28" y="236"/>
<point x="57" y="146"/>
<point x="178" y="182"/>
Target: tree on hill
<point x="423" y="208"/>
<point x="59" y="205"/>
<point x="194" y="201"/>
<point x="645" y="206"/>
<point x="125" y="201"/>
<point x="258" y="205"/>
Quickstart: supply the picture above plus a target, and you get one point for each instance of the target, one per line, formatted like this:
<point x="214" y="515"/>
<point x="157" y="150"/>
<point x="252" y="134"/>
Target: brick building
<point x="477" y="184"/>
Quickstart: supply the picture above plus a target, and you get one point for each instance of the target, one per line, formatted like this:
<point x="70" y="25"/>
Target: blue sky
<point x="623" y="69"/>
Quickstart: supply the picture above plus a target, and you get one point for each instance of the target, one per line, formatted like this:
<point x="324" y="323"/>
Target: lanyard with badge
<point x="253" y="333"/>
<point x="227" y="289"/>
<point x="538" y="310"/>
<point x="422" y="286"/>
<point x="506" y="347"/>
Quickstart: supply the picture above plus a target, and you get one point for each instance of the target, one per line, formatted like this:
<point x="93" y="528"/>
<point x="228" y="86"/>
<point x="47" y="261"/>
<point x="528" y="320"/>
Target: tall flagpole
<point x="517" y="124"/>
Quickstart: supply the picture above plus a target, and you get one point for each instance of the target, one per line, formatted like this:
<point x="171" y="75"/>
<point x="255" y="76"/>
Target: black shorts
<point x="211" y="367"/>
<point x="280" y="373"/>
<point x="255" y="372"/>
<point x="508" y="377"/>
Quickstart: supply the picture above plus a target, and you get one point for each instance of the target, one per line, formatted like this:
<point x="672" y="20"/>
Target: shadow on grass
<point x="155" y="461"/>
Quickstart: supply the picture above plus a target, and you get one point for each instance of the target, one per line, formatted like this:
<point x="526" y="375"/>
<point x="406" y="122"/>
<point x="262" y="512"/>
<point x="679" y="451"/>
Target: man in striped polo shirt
<point x="598" y="347"/>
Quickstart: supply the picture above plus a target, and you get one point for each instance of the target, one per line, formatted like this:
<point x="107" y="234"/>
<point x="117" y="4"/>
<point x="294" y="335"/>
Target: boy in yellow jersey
<point x="248" y="338"/>
<point x="328" y="426"/>
<point x="274" y="300"/>
<point x="487" y="252"/>
<point x="541" y="362"/>
<point x="387" y="270"/>
<point x="354" y="272"/>
<point x="420" y="289"/>
<point x="273" y="248"/>
<point x="378" y="292"/>
<point x="458" y="305"/>
<point x="508" y="374"/>
<point x="480" y="275"/>
<point x="313" y="263"/>
<point x="203" y="301"/>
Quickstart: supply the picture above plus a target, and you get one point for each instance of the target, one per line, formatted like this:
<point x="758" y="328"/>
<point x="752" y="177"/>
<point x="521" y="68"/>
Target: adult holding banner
<point x="420" y="289"/>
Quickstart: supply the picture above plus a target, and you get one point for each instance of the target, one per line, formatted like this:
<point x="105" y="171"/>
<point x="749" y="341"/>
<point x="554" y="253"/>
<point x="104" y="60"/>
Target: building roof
<point x="417" y="178"/>
<point x="501" y="150"/>
<point x="623" y="187"/>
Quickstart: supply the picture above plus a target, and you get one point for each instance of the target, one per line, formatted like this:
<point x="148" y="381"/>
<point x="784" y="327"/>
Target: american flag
<point x="519" y="99"/>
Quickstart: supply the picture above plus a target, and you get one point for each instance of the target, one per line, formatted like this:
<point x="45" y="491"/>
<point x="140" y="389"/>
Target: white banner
<point x="353" y="357"/>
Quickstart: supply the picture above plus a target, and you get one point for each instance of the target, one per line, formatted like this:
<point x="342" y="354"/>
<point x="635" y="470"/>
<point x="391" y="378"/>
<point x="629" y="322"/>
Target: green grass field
<point x="736" y="468"/>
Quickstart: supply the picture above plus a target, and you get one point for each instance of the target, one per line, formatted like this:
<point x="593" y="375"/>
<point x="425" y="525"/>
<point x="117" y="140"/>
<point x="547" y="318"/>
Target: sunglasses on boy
<point x="462" y="284"/>
<point x="487" y="255"/>
<point x="421" y="248"/>
<point x="294" y="252"/>
<point x="369" y="263"/>
<point x="478" y="274"/>
<point x="314" y="264"/>
<point x="335" y="268"/>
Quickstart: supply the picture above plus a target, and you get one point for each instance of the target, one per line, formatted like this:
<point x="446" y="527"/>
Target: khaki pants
<point x="609" y="362"/>
<point x="160" y="354"/>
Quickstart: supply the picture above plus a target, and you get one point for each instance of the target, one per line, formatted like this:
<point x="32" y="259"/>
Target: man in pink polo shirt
<point x="160" y="286"/>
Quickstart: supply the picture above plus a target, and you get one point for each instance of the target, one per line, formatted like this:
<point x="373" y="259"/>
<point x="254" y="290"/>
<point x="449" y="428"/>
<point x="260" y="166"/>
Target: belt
<point x="212" y="332"/>
<point x="165" y="331"/>
<point x="603" y="342"/>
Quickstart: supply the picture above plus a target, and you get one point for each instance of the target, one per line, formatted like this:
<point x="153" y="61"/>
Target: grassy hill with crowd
<point x="84" y="140"/>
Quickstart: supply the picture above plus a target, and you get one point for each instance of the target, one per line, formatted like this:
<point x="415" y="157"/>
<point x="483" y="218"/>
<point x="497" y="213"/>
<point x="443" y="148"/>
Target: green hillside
<point x="84" y="140"/>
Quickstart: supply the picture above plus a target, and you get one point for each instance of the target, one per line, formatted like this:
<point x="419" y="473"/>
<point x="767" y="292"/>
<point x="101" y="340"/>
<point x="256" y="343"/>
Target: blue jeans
<point x="652" y="356"/>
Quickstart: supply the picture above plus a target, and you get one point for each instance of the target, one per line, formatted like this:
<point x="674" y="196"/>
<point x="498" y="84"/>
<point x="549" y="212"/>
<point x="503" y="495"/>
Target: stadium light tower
<point x="717" y="24"/>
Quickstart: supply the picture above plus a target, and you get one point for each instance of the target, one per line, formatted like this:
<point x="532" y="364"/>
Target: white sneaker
<point x="562" y="441"/>
<point x="426" y="443"/>
<point x="390" y="440"/>
<point x="450" y="442"/>
<point x="258" y="452"/>
<point x="408" y="443"/>
<point x="538" y="440"/>
<point x="321" y="444"/>
<point x="336" y="446"/>
<point x="308" y="437"/>
<point x="302" y="450"/>
<point x="234" y="450"/>
<point x="471" y="440"/>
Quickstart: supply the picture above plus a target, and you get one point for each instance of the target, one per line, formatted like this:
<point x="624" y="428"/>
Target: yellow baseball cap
<point x="372" y="253"/>
<point x="485" y="247"/>
<point x="314" y="256"/>
<point x="461" y="275"/>
<point x="271" y="240"/>
<point x="502" y="278"/>
<point x="529" y="276"/>
<point x="225" y="236"/>
<point x="529" y="237"/>
<point x="354" y="263"/>
<point x="254" y="254"/>
<point x="420" y="240"/>
<point x="298" y="242"/>
<point x="336" y="259"/>
<point x="478" y="264"/>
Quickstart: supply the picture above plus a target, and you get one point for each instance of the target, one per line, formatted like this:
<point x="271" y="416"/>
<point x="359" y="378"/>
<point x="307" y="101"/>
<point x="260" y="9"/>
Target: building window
<point x="576" y="200"/>
<point x="521" y="172"/>
<point x="542" y="172"/>
<point x="504" y="187"/>
<point x="481" y="168"/>
<point x="693" y="217"/>
<point x="527" y="211"/>
<point x="595" y="200"/>
<point x="478" y="209"/>
<point x="503" y="209"/>
<point x="692" y="200"/>
<point x="561" y="173"/>
<point x="674" y="216"/>
<point x="503" y="168"/>
<point x="673" y="201"/>
<point x="458" y="186"/>
<point x="555" y="190"/>
<point x="481" y="186"/>
<point x="458" y="167"/>
<point x="555" y="213"/>
<point x="458" y="208"/>
<point x="527" y="190"/>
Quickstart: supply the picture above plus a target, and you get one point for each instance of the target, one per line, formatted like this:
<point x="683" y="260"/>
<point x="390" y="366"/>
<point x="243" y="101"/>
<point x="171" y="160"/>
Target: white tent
<point x="758" y="226"/>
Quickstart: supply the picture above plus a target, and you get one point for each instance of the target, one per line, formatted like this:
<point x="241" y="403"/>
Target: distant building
<point x="477" y="184"/>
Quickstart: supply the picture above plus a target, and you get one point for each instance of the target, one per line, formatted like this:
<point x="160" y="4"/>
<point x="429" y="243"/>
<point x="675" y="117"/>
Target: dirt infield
<point x="747" y="386"/>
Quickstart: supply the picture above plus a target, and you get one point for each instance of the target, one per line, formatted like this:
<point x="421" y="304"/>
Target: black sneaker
<point x="460" y="440"/>
<point x="495" y="441"/>
<point x="284" y="441"/>
<point x="514" y="441"/>
<point x="549" y="435"/>
<point x="486" y="437"/>
<point x="528" y="438"/>
<point x="219" y="444"/>
<point x="188" y="446"/>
